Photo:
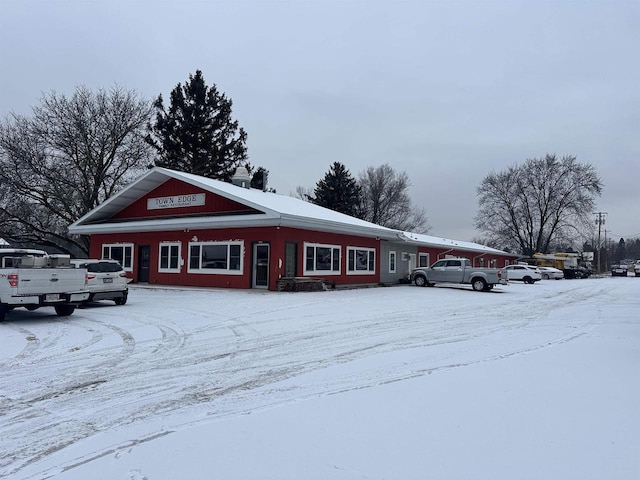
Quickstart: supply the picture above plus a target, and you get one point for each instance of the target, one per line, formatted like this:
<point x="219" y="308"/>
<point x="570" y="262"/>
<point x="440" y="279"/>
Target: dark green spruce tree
<point x="196" y="134"/>
<point x="338" y="191"/>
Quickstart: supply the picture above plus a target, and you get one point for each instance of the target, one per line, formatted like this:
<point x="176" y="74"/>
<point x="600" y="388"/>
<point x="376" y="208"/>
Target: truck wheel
<point x="420" y="281"/>
<point x="3" y="312"/>
<point x="64" y="310"/>
<point x="479" y="285"/>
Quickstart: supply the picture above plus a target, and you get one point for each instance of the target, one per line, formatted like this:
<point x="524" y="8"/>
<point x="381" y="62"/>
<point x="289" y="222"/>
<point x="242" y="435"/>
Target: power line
<point x="625" y="236"/>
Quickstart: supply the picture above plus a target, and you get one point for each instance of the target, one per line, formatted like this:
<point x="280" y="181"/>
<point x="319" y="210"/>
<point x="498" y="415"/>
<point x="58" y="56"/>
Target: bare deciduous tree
<point x="67" y="158"/>
<point x="528" y="207"/>
<point x="385" y="200"/>
<point x="303" y="193"/>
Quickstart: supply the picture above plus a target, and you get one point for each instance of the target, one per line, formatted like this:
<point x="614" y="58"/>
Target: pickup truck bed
<point x="33" y="279"/>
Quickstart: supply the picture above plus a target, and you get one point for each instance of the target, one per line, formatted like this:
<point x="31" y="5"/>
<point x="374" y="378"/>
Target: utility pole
<point x="599" y="221"/>
<point x="607" y="250"/>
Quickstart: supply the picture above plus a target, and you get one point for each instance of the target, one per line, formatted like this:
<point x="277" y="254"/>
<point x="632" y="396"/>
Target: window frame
<point x="421" y="256"/>
<point x="393" y="261"/>
<point x="217" y="271"/>
<point x="351" y="250"/>
<point x="126" y="266"/>
<point x="170" y="246"/>
<point x="334" y="261"/>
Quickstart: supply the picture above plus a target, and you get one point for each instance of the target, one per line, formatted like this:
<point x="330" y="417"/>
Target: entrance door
<point x="412" y="261"/>
<point x="261" y="265"/>
<point x="144" y="260"/>
<point x="290" y="259"/>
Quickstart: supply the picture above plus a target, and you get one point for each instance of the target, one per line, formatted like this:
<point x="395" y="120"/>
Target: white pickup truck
<point x="32" y="279"/>
<point x="459" y="270"/>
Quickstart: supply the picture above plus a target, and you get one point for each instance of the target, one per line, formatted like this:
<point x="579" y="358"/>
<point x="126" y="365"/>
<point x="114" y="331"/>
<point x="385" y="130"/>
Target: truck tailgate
<point x="59" y="280"/>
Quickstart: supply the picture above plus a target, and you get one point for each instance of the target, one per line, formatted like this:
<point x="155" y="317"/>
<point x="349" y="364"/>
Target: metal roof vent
<point x="241" y="178"/>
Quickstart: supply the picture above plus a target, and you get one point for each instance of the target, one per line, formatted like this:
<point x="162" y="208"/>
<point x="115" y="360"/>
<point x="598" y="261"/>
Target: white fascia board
<point x="169" y="224"/>
<point x="452" y="245"/>
<point x="237" y="221"/>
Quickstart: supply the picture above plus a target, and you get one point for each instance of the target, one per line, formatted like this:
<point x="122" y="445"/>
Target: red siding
<point x="275" y="236"/>
<point x="213" y="203"/>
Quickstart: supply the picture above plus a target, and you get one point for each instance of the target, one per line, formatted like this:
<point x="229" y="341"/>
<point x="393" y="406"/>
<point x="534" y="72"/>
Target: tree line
<point x="75" y="152"/>
<point x="379" y="195"/>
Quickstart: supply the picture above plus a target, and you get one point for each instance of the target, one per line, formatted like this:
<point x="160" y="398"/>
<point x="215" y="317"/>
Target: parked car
<point x="551" y="273"/>
<point x="106" y="280"/>
<point x="619" y="270"/>
<point x="525" y="273"/>
<point x="577" y="272"/>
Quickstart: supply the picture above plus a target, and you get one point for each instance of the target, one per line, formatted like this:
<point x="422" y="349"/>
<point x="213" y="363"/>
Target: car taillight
<point x="88" y="277"/>
<point x="123" y="274"/>
<point x="499" y="273"/>
<point x="13" y="279"/>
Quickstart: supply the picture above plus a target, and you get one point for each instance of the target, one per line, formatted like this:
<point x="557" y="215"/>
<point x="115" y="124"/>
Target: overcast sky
<point x="447" y="91"/>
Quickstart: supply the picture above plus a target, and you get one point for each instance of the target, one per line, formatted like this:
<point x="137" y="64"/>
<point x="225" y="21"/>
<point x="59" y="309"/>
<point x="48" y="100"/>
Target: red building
<point x="174" y="228"/>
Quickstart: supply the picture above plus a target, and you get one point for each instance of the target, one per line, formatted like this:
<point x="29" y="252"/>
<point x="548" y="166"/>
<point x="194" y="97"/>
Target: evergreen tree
<point x="621" y="251"/>
<point x="260" y="178"/>
<point x="338" y="191"/>
<point x="197" y="134"/>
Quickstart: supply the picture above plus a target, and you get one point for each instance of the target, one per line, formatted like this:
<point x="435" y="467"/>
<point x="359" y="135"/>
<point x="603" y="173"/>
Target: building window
<point x="423" y="259"/>
<point x="321" y="259"/>
<point x="361" y="260"/>
<point x="122" y="252"/>
<point x="169" y="259"/>
<point x="216" y="257"/>
<point x="392" y="262"/>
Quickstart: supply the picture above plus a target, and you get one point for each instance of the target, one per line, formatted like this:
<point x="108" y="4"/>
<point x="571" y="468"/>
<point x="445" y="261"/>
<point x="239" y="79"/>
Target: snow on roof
<point x="448" y="243"/>
<point x="278" y="210"/>
<point x="283" y="205"/>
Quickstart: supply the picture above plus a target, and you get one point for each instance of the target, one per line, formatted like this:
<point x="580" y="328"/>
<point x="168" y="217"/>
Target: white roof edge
<point x="175" y="224"/>
<point x="441" y="242"/>
<point x="238" y="221"/>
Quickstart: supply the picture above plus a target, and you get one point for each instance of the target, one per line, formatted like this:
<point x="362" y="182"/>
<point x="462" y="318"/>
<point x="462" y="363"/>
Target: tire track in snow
<point x="216" y="364"/>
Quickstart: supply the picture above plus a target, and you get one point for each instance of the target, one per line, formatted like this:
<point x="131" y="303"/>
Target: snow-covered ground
<point x="525" y="382"/>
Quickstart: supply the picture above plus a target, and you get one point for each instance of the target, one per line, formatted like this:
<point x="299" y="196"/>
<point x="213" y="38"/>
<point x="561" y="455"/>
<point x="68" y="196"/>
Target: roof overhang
<point x="232" y="221"/>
